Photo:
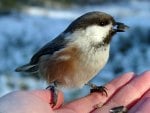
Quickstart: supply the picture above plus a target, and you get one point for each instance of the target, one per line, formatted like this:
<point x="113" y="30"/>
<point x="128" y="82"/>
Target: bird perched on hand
<point x="75" y="56"/>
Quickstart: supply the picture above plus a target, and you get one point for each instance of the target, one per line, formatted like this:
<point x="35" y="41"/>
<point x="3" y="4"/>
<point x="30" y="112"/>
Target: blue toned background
<point x="25" y="26"/>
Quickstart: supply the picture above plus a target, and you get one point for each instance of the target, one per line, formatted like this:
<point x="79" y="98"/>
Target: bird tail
<point x="29" y="68"/>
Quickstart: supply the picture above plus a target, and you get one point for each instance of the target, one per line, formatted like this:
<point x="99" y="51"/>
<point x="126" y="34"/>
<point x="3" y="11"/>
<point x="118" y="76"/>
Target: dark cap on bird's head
<point x="95" y="18"/>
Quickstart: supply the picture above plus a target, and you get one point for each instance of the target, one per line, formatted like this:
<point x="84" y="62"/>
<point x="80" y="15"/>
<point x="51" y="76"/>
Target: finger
<point x="46" y="96"/>
<point x="88" y="103"/>
<point x="129" y="93"/>
<point x="117" y="84"/>
<point x="143" y="106"/>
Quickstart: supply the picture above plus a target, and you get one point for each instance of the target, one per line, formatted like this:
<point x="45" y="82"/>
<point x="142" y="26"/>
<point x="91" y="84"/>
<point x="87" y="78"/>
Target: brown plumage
<point x="64" y="64"/>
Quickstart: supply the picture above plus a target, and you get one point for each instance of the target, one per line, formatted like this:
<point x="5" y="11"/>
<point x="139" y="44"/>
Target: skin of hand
<point x="128" y="90"/>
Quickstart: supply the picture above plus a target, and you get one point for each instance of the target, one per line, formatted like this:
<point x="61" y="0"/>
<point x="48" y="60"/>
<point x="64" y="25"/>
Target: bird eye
<point x="103" y="23"/>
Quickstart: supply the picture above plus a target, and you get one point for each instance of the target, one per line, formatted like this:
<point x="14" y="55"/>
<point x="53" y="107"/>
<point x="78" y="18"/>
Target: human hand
<point x="127" y="90"/>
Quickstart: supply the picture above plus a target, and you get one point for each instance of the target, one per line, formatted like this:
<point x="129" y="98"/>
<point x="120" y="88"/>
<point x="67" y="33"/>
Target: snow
<point x="22" y="34"/>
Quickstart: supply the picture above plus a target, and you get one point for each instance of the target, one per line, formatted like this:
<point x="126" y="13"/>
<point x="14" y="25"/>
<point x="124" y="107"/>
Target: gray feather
<point x="51" y="47"/>
<point x="27" y="68"/>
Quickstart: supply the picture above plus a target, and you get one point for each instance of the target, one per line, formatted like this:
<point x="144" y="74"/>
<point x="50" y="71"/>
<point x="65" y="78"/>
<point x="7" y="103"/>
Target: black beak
<point x="120" y="27"/>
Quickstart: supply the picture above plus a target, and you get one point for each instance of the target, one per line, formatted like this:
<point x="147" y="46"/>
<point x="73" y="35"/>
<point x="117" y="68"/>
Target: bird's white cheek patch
<point x="94" y="33"/>
<point x="98" y="33"/>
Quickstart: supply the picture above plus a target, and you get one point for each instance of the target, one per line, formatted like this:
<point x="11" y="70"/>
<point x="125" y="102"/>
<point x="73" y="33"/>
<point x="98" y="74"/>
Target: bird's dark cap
<point x="90" y="18"/>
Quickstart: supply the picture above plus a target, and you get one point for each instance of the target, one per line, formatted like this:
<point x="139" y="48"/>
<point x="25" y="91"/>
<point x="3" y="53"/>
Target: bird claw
<point x="53" y="94"/>
<point x="119" y="109"/>
<point x="100" y="89"/>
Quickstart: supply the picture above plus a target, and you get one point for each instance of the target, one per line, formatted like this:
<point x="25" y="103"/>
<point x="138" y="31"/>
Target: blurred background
<point x="26" y="25"/>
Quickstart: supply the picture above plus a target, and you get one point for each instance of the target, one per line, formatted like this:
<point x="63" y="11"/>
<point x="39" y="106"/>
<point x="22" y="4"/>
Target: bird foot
<point x="53" y="94"/>
<point x="119" y="109"/>
<point x="100" y="89"/>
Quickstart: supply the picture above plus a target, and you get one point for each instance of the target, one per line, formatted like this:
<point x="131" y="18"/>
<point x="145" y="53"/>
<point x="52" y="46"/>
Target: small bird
<point x="75" y="56"/>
